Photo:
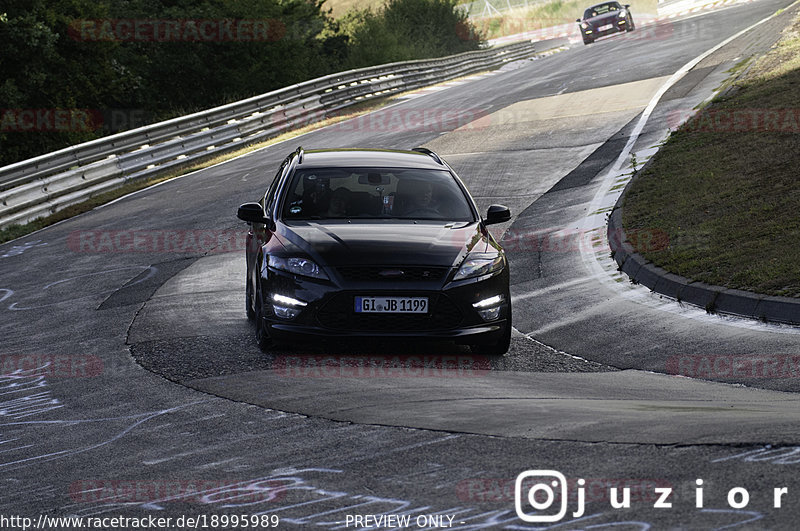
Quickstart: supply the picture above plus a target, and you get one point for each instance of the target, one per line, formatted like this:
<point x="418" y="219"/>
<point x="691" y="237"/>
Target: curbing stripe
<point x="715" y="299"/>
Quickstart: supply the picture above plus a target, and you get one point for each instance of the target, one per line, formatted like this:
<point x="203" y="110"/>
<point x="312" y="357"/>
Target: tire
<point x="500" y="343"/>
<point x="631" y="25"/>
<point x="262" y="333"/>
<point x="498" y="347"/>
<point x="248" y="300"/>
<point x="587" y="41"/>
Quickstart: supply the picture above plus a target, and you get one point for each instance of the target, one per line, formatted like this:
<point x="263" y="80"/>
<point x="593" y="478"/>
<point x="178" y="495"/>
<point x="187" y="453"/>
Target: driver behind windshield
<point x="419" y="200"/>
<point x="340" y="199"/>
<point x="423" y="197"/>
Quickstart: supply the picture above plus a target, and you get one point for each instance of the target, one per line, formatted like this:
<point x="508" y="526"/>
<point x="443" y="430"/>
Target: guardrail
<point x="43" y="185"/>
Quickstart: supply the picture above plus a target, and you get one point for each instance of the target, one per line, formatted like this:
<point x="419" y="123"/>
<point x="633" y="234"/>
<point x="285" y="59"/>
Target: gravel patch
<point x="189" y="358"/>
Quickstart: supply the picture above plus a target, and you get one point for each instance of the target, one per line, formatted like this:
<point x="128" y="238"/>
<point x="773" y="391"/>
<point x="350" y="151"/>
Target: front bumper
<point x="298" y="333"/>
<point x="592" y="33"/>
<point x="329" y="309"/>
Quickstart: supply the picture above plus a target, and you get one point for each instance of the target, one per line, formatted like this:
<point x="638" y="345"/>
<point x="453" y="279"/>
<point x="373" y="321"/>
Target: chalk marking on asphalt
<point x="554" y="287"/>
<point x="141" y="418"/>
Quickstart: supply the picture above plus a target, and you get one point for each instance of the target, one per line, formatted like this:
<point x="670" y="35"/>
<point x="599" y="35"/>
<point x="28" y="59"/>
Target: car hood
<point x="384" y="244"/>
<point x="600" y="20"/>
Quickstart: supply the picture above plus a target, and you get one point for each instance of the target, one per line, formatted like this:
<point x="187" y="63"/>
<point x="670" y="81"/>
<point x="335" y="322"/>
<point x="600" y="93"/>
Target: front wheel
<point x="248" y="300"/>
<point x="631" y="25"/>
<point x="498" y="347"/>
<point x="501" y="340"/>
<point x="587" y="41"/>
<point x="262" y="332"/>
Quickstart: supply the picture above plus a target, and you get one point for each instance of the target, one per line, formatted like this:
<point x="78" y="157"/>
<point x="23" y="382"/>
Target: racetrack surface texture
<point x="585" y="393"/>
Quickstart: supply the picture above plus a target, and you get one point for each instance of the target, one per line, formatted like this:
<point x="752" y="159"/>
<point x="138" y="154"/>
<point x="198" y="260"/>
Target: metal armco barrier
<point x="43" y="185"/>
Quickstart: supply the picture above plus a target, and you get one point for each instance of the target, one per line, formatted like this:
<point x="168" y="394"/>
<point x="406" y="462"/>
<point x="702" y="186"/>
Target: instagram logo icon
<point x="540" y="489"/>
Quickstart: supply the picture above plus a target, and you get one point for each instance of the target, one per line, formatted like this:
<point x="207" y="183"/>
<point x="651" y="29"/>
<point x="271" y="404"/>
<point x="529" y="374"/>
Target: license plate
<point x="391" y="305"/>
<point x="606" y="27"/>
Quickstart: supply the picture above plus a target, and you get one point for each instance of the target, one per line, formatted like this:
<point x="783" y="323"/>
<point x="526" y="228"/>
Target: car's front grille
<point x="396" y="274"/>
<point x="339" y="314"/>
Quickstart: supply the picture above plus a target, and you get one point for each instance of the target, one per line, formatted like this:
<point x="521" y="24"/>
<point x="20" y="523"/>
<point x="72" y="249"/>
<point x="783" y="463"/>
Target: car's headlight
<point x="622" y="14"/>
<point x="479" y="264"/>
<point x="584" y="25"/>
<point x="297" y="266"/>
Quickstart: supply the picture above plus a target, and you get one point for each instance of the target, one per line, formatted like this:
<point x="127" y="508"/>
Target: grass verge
<point x="725" y="186"/>
<point x="340" y="8"/>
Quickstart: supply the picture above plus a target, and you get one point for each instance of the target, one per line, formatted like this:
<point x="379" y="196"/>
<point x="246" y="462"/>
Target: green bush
<point x="409" y="29"/>
<point x="48" y="62"/>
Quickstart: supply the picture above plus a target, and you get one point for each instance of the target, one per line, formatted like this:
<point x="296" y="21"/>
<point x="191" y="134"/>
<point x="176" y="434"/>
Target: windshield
<point x="377" y="193"/>
<point x="601" y="9"/>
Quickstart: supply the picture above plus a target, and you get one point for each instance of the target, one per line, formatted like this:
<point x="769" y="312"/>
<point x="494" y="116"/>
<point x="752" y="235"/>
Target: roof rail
<point x="299" y="153"/>
<point x="430" y="153"/>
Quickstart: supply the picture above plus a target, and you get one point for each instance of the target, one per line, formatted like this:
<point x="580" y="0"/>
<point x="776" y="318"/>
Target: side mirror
<point x="497" y="214"/>
<point x="578" y="20"/>
<point x="251" y="213"/>
<point x="627" y="6"/>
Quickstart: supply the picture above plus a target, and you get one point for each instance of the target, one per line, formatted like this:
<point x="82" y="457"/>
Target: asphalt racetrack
<point x="132" y="385"/>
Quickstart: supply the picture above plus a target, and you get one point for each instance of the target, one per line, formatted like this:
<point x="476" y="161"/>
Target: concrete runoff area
<point x="612" y="407"/>
<point x="619" y="407"/>
<point x="628" y="406"/>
